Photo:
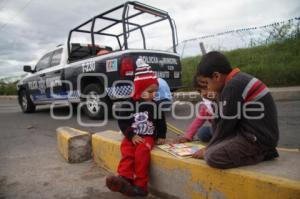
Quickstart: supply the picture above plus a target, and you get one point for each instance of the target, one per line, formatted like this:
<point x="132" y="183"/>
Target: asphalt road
<point x="31" y="167"/>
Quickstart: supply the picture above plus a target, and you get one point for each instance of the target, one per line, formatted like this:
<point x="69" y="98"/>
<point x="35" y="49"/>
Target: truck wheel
<point x="92" y="108"/>
<point x="25" y="102"/>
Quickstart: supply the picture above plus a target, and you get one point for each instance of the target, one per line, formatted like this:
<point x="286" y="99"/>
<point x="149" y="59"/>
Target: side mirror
<point x="28" y="69"/>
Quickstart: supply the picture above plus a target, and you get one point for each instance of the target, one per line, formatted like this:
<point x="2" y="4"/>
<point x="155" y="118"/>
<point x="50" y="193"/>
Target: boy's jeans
<point x="204" y="133"/>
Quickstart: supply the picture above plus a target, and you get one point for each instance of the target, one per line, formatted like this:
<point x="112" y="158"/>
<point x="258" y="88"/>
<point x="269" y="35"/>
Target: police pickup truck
<point x="93" y="74"/>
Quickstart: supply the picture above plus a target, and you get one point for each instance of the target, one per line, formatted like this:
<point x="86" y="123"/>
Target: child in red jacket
<point x="141" y="125"/>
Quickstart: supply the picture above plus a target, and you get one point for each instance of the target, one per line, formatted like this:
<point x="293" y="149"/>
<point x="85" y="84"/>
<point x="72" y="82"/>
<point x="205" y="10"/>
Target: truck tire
<point x="91" y="107"/>
<point x="25" y="102"/>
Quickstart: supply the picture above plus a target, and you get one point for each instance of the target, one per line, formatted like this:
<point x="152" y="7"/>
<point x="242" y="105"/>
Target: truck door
<point x="55" y="88"/>
<point x="37" y="84"/>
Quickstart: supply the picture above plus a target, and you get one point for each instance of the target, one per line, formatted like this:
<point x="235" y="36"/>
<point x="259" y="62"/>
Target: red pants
<point x="135" y="161"/>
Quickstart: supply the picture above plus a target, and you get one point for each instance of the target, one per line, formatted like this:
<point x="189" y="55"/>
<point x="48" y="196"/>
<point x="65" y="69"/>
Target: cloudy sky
<point x="28" y="28"/>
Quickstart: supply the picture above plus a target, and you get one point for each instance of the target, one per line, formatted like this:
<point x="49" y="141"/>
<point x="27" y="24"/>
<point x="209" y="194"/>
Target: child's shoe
<point x="119" y="184"/>
<point x="138" y="191"/>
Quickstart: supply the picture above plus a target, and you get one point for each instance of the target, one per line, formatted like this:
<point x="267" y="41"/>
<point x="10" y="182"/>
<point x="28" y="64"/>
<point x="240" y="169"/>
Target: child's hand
<point x="160" y="141"/>
<point x="136" y="139"/>
<point x="199" y="154"/>
<point x="181" y="140"/>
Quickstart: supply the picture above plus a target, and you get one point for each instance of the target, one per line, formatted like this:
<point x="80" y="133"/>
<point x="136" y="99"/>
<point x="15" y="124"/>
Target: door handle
<point x="42" y="75"/>
<point x="58" y="71"/>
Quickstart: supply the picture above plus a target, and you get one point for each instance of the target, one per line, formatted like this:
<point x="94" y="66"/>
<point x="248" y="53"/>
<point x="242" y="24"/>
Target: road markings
<point x="174" y="129"/>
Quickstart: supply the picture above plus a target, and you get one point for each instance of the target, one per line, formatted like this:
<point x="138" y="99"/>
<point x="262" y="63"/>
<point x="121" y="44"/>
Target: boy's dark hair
<point x="213" y="61"/>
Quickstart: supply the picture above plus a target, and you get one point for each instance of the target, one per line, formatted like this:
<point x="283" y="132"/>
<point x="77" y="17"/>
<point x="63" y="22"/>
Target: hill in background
<point x="276" y="64"/>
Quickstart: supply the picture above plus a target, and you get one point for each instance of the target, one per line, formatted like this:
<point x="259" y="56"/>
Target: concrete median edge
<point x="190" y="178"/>
<point x="279" y="94"/>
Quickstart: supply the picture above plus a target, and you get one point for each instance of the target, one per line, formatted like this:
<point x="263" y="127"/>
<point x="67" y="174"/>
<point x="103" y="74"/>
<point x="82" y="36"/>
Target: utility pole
<point x="202" y="48"/>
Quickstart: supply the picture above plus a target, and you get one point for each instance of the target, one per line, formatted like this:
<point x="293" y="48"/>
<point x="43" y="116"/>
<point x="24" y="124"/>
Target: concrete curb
<point x="279" y="94"/>
<point x="73" y="144"/>
<point x="8" y="97"/>
<point x="191" y="178"/>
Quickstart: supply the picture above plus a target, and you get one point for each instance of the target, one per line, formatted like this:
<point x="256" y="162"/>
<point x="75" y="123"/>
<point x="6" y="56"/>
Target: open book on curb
<point x="183" y="150"/>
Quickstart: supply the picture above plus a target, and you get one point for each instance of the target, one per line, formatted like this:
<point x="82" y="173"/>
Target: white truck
<point x="92" y="73"/>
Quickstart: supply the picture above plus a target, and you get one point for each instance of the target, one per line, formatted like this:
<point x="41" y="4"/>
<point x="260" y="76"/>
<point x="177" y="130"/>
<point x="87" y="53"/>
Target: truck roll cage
<point x="124" y="20"/>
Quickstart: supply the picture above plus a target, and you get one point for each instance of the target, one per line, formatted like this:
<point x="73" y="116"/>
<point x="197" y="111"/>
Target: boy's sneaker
<point x="119" y="184"/>
<point x="271" y="154"/>
<point x="138" y="191"/>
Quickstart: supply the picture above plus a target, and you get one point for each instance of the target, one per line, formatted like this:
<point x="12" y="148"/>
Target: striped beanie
<point x="144" y="77"/>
